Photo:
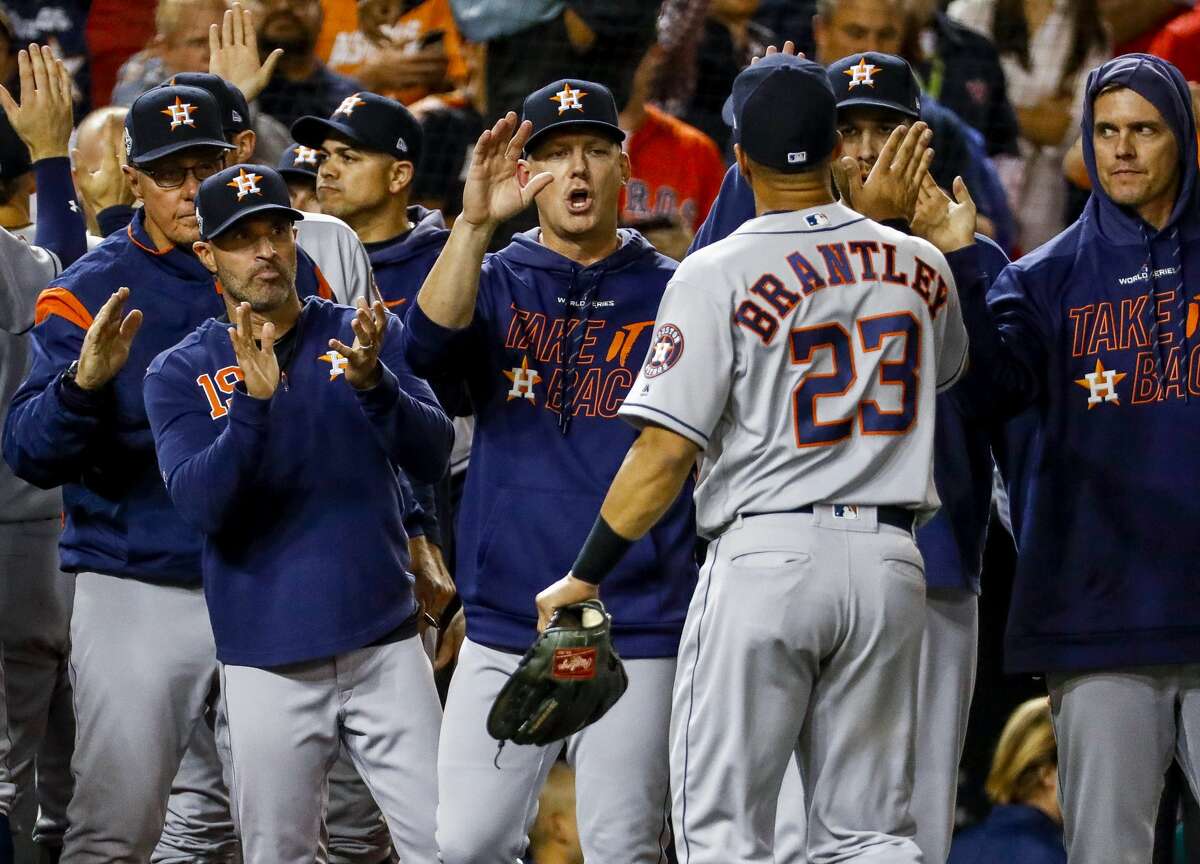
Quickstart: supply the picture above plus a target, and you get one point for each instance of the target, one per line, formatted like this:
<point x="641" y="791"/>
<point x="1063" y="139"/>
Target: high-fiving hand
<point x="233" y="53"/>
<point x="107" y="341"/>
<point x="370" y="329"/>
<point x="45" y="115"/>
<point x="260" y="367"/>
<point x="493" y="190"/>
<point x="891" y="189"/>
<point x="948" y="223"/>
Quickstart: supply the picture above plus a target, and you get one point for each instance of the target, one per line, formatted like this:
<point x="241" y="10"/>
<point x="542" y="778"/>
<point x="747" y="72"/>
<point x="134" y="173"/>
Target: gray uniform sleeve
<point x="24" y="271"/>
<point x="336" y="249"/>
<point x="685" y="381"/>
<point x="950" y="332"/>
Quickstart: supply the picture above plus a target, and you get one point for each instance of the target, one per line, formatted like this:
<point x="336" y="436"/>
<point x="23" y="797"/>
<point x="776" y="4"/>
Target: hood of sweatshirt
<point x="429" y="233"/>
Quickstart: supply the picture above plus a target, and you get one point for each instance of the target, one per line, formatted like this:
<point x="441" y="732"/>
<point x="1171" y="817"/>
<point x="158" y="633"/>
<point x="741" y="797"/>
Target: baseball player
<point x="142" y="659"/>
<point x="1096" y="331"/>
<point x="298" y="166"/>
<point x="545" y="333"/>
<point x="317" y="640"/>
<point x="877" y="93"/>
<point x="800" y="357"/>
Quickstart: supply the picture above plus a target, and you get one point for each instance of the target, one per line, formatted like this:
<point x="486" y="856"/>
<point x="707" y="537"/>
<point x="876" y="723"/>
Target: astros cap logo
<point x="862" y="73"/>
<point x="307" y="155"/>
<point x="180" y="113"/>
<point x="568" y="99"/>
<point x="246" y="184"/>
<point x="348" y="105"/>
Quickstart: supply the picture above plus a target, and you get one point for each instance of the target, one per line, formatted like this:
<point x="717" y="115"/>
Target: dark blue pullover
<point x="305" y="555"/>
<point x="533" y="492"/>
<point x="1095" y="332"/>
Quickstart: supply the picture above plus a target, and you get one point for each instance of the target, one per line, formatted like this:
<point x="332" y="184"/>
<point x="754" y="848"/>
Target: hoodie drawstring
<point x="571" y="345"/>
<point x="1178" y="317"/>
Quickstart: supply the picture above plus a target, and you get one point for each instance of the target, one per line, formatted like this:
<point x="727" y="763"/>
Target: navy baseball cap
<point x="232" y="195"/>
<point x="300" y="161"/>
<point x="375" y="122"/>
<point x="165" y="120"/>
<point x="235" y="113"/>
<point x="783" y="113"/>
<point x="14" y="155"/>
<point x="878" y="81"/>
<point x="569" y="104"/>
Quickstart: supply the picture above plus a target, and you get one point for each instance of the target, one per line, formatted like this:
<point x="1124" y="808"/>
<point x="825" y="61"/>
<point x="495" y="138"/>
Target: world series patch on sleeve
<point x="567" y="680"/>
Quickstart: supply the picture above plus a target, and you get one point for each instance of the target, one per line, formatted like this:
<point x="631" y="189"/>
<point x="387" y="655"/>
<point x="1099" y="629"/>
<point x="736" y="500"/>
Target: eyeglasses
<point x="174" y="176"/>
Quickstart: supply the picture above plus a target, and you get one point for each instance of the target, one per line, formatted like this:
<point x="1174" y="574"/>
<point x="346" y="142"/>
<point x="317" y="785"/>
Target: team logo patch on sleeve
<point x="665" y="351"/>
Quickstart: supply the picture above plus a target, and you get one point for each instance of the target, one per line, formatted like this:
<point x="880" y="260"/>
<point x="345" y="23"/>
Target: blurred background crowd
<point x="1003" y="83"/>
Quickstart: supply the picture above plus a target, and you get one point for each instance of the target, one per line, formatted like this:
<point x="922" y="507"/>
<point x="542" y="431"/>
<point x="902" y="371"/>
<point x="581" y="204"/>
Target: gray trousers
<point x="1117" y="732"/>
<point x="489" y="799"/>
<point x="35" y="615"/>
<point x="282" y="731"/>
<point x="802" y="643"/>
<point x="143" y="667"/>
<point x="949" y="649"/>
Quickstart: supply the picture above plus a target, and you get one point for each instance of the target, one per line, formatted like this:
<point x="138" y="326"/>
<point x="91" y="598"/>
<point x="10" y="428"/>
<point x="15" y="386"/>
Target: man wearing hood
<point x="548" y="335"/>
<point x="1096" y="331"/>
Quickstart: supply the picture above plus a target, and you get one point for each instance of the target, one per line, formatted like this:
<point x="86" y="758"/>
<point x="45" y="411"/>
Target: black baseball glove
<point x="567" y="680"/>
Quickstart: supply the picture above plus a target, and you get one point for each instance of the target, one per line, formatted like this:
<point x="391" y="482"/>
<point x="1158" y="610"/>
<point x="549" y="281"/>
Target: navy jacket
<point x="533" y="493"/>
<point x="1012" y="834"/>
<point x="952" y="542"/>
<point x="98" y="445"/>
<point x="305" y="555"/>
<point x="1095" y="331"/>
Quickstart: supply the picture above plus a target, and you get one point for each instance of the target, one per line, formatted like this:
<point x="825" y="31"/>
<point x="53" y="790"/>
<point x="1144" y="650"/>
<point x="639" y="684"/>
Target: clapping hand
<point x="370" y="329"/>
<point x="260" y="367"/>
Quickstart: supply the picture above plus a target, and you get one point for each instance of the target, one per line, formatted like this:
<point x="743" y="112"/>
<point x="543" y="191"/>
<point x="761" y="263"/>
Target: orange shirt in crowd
<point x="344" y="48"/>
<point x="676" y="169"/>
<point x="1177" y="42"/>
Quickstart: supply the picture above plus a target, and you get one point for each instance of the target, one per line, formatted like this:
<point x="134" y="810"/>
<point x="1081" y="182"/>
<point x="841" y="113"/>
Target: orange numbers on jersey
<point x="214" y="386"/>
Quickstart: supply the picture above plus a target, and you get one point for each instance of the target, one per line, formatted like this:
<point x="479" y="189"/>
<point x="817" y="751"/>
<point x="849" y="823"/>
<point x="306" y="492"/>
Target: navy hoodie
<point x="533" y="493"/>
<point x="1096" y="331"/>
<point x="401" y="265"/>
<point x="97" y="445"/>
<point x="952" y="542"/>
<point x="305" y="555"/>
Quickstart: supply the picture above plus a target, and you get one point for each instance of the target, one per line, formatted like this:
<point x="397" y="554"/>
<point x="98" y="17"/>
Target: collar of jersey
<point x="768" y="223"/>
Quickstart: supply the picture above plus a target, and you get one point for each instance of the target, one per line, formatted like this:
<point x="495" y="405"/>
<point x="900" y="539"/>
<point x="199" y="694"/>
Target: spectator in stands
<point x="180" y="44"/>
<point x="1176" y="38"/>
<point x="61" y="25"/>
<point x="530" y="42"/>
<point x="731" y="38"/>
<point x="1046" y="51"/>
<point x="301" y="84"/>
<point x="116" y="30"/>
<point x="1133" y="24"/>
<point x="961" y="69"/>
<point x="676" y="168"/>
<point x="554" y="838"/>
<point x="403" y="49"/>
<point x="1026" y="824"/>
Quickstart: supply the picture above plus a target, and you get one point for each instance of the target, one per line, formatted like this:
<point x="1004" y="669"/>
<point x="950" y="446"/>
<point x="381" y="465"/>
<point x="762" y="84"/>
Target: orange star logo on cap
<point x="180" y="113"/>
<point x="245" y="184"/>
<point x="862" y="73"/>
<point x="569" y="99"/>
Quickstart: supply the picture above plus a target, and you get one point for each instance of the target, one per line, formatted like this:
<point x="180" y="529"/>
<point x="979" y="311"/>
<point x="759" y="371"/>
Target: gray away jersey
<point x="803" y="354"/>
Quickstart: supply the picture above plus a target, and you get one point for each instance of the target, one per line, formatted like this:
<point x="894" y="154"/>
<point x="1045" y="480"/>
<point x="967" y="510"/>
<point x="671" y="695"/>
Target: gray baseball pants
<point x="802" y="642"/>
<point x="489" y="797"/>
<point x="1117" y="732"/>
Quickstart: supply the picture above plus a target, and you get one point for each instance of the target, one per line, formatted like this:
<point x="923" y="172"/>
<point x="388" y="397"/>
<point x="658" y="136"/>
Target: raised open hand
<point x="260" y="367"/>
<point x="493" y="190"/>
<point x="789" y="47"/>
<point x="102" y="183"/>
<point x="947" y="223"/>
<point x="107" y="341"/>
<point x="370" y="329"/>
<point x="233" y="53"/>
<point x="45" y="114"/>
<point x="891" y="189"/>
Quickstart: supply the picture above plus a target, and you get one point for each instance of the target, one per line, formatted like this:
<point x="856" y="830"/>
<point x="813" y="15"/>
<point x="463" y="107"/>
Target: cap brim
<point x="176" y="146"/>
<point x="727" y="111"/>
<point x="609" y="130"/>
<point x="312" y="132"/>
<point x="247" y="213"/>
<point x="858" y="102"/>
<point x="297" y="172"/>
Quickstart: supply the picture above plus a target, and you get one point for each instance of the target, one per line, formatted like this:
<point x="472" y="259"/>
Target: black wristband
<point x="601" y="552"/>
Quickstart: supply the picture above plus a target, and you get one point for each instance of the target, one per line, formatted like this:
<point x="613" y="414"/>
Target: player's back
<point x="838" y="332"/>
